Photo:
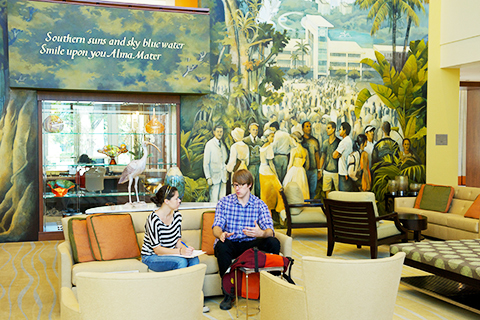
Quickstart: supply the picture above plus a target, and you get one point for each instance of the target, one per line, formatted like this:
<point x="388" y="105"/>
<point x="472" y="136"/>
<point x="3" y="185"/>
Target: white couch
<point x="191" y="233"/>
<point x="451" y="225"/>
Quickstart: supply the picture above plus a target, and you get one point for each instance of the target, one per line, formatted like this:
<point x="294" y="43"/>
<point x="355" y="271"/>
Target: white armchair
<point x="173" y="294"/>
<point x="334" y="289"/>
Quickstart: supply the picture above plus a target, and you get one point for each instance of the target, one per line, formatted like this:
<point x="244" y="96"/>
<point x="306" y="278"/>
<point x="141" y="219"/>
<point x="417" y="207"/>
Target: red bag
<point x="254" y="259"/>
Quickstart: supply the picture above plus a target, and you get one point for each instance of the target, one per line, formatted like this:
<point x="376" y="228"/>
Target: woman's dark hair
<point x="164" y="193"/>
<point x="361" y="139"/>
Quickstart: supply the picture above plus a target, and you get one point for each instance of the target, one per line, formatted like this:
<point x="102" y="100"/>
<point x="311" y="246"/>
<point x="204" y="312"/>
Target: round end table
<point x="414" y="222"/>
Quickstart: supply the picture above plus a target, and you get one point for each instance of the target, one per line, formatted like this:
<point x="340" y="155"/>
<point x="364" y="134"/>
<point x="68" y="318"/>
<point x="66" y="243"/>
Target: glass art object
<point x="113" y="151"/>
<point x="60" y="187"/>
<point x="154" y="126"/>
<point x="176" y="179"/>
<point x="53" y="124"/>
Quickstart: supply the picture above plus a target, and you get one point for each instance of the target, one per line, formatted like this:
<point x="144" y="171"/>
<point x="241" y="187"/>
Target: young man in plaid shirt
<point x="242" y="221"/>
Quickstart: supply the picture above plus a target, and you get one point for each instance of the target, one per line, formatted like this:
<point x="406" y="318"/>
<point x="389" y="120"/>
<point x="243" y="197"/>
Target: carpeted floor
<point x="29" y="281"/>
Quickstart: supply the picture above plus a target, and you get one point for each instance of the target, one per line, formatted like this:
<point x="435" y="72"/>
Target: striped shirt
<point x="158" y="233"/>
<point x="231" y="216"/>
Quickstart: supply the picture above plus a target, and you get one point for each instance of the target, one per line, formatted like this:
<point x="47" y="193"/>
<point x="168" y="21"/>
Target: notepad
<point x="195" y="253"/>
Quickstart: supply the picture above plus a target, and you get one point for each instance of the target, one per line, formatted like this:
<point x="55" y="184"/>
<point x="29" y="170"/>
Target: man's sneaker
<point x="227" y="302"/>
<point x="205" y="309"/>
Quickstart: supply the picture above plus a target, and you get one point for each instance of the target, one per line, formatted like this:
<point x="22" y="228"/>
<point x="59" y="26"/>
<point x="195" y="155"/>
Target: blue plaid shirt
<point x="231" y="216"/>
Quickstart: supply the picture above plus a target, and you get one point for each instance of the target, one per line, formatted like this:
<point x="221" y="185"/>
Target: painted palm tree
<point x="294" y="58"/>
<point x="386" y="10"/>
<point x="302" y="48"/>
<point x="412" y="17"/>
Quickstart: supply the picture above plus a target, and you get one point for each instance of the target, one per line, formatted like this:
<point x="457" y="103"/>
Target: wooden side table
<point x="414" y="222"/>
<point x="247" y="272"/>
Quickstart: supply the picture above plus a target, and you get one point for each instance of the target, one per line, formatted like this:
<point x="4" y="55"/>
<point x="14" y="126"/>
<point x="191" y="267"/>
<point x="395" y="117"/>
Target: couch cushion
<point x="309" y="215"/>
<point x="208" y="239"/>
<point x="294" y="195"/>
<point x="387" y="229"/>
<point x="79" y="242"/>
<point x="355" y="196"/>
<point x="112" y="236"/>
<point x="434" y="197"/>
<point x="192" y="219"/>
<point x="460" y="206"/>
<point x="210" y="261"/>
<point x="122" y="265"/>
<point x="139" y="219"/>
<point x="435" y="217"/>
<point x="474" y="210"/>
<point x="460" y="222"/>
<point x="192" y="238"/>
<point x="466" y="193"/>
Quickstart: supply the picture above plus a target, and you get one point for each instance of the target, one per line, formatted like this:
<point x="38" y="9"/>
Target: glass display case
<point x="87" y="145"/>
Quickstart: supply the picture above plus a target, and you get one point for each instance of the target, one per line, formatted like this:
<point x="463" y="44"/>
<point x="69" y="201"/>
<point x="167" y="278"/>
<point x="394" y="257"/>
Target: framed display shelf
<point x="87" y="141"/>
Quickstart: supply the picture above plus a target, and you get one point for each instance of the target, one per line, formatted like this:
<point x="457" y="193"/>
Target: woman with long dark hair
<point x="162" y="243"/>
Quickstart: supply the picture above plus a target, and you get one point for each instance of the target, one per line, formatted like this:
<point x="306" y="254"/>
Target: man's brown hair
<point x="243" y="176"/>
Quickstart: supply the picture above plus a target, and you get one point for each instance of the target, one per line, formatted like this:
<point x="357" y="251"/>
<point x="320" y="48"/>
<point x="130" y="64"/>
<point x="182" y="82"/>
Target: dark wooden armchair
<point x="356" y="222"/>
<point x="301" y="213"/>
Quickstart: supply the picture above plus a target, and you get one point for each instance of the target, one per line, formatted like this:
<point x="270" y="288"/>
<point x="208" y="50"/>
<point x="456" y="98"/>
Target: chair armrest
<point x="69" y="307"/>
<point x="393" y="217"/>
<point x="285" y="244"/>
<point x="314" y="201"/>
<point x="65" y="264"/>
<point x="388" y="216"/>
<point x="280" y="299"/>
<point x="305" y="204"/>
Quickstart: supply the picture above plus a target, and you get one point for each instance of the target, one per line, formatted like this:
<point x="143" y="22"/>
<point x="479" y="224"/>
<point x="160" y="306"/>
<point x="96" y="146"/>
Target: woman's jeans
<point x="165" y="263"/>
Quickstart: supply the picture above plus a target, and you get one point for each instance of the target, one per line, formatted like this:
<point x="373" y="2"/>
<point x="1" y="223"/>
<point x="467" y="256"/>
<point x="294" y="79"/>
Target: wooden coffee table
<point x="414" y="222"/>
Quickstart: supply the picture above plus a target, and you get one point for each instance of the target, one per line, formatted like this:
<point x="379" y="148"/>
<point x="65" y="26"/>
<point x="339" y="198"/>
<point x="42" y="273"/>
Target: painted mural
<point x="328" y="94"/>
<point x="83" y="47"/>
<point x="18" y="146"/>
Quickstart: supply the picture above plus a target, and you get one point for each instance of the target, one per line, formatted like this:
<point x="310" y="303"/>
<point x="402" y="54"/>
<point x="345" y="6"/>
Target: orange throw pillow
<point x="208" y="239"/>
<point x="77" y="233"/>
<point x="474" y="210"/>
<point x="112" y="236"/>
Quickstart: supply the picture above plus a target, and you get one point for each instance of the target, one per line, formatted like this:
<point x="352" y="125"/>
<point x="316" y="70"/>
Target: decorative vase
<point x="402" y="184"/>
<point x="175" y="178"/>
<point x="392" y="187"/>
<point x="112" y="161"/>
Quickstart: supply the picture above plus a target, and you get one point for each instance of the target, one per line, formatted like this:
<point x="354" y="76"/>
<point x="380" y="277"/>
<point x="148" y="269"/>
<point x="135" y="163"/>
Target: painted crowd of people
<point x="312" y="136"/>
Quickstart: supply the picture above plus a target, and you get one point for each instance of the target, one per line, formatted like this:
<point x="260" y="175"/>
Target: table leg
<point x="417" y="235"/>
<point x="246" y="278"/>
<point x="236" y="295"/>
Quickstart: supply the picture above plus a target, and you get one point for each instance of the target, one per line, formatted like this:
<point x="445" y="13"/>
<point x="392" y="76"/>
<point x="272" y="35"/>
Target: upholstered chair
<point x="353" y="218"/>
<point x="334" y="289"/>
<point x="173" y="294"/>
<point x="300" y="213"/>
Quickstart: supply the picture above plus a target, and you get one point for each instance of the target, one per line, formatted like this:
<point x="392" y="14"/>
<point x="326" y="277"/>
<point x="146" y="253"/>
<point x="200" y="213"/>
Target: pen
<point x="184" y="243"/>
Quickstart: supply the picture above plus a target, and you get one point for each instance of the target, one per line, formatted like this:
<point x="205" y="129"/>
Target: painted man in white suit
<point x="214" y="158"/>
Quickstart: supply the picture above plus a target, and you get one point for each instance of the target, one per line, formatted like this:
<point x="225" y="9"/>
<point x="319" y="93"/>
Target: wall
<point x="442" y="107"/>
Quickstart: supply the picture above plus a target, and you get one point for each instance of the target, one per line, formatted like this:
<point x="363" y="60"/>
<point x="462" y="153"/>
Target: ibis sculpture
<point x="134" y="169"/>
